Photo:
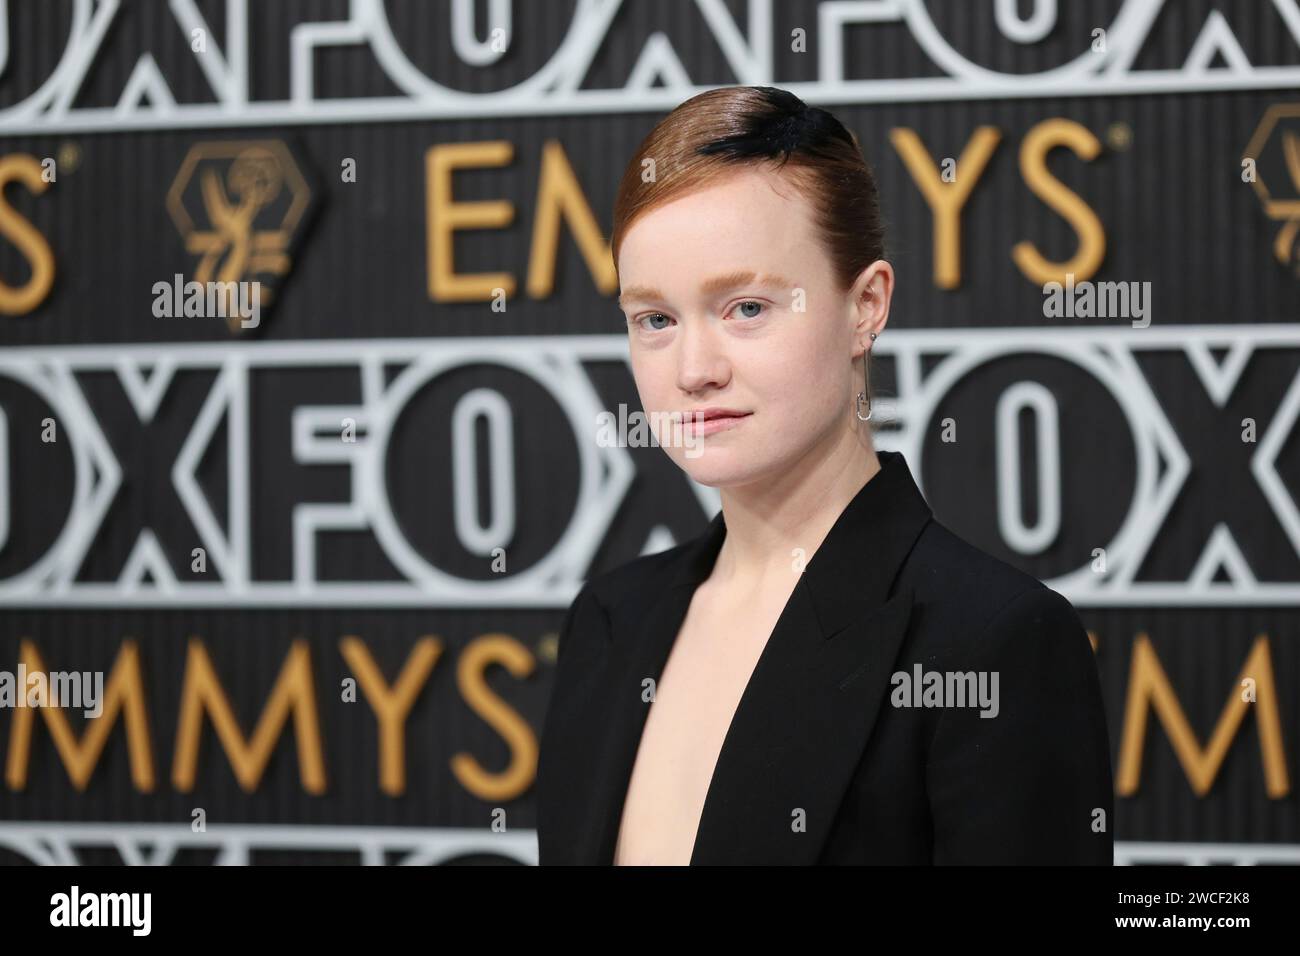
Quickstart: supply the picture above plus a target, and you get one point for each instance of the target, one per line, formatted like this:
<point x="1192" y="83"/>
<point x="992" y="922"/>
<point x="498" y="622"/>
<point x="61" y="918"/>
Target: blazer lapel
<point x="811" y="702"/>
<point x="642" y="631"/>
<point x="797" y="736"/>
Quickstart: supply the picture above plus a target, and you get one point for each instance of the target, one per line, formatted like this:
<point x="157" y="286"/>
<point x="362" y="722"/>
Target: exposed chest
<point x="695" y="700"/>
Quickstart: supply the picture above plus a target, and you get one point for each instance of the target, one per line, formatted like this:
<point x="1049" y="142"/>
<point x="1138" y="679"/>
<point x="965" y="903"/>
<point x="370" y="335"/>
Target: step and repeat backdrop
<point x="308" y="321"/>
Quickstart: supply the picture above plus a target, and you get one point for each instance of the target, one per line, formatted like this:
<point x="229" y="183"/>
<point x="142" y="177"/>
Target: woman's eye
<point x="651" y="317"/>
<point x="749" y="309"/>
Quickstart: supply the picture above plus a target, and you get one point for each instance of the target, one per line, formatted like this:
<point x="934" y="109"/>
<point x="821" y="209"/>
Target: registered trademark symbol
<point x="548" y="647"/>
<point x="69" y="157"/>
<point x="1119" y="136"/>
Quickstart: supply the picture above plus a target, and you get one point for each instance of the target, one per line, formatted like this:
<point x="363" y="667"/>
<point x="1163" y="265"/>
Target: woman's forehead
<point x="751" y="221"/>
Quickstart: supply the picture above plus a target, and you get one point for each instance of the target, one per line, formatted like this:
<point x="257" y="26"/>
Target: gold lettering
<point x="1149" y="688"/>
<point x="123" y="696"/>
<point x="946" y="199"/>
<point x="445" y="216"/>
<point x="558" y="194"/>
<point x="25" y="169"/>
<point x="510" y="783"/>
<point x="201" y="692"/>
<point x="391" y="703"/>
<point x="1041" y="140"/>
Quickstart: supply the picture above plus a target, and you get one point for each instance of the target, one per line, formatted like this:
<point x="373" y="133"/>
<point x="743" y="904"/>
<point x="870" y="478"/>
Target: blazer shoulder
<point x="945" y="570"/>
<point x="647" y="573"/>
<point x="1030" y="786"/>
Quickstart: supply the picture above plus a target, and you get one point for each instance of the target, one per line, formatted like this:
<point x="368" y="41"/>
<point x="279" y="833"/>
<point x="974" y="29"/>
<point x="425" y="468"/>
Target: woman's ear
<point x="872" y="292"/>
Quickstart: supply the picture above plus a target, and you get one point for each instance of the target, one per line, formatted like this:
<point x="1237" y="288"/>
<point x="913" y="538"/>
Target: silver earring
<point x="863" y="398"/>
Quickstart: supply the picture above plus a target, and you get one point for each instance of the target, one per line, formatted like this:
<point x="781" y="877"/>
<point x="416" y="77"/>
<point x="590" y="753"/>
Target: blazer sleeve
<point x="559" y="763"/>
<point x="1031" y="785"/>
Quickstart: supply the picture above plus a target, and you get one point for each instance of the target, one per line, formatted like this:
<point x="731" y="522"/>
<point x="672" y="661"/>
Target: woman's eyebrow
<point x="641" y="293"/>
<point x="725" y="283"/>
<point x="714" y="286"/>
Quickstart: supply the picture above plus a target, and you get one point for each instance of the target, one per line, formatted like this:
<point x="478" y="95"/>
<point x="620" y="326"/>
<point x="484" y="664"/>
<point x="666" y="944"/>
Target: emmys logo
<point x="1271" y="164"/>
<point x="239" y="206"/>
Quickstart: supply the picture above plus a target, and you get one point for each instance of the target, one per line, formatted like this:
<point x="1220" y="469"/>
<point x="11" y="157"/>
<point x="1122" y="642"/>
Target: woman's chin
<point x="718" y="469"/>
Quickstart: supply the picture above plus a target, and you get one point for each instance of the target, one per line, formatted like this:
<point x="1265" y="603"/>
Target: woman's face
<point x="731" y="302"/>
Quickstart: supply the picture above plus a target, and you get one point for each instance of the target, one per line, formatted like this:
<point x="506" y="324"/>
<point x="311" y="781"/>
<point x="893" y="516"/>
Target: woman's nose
<point x="701" y="357"/>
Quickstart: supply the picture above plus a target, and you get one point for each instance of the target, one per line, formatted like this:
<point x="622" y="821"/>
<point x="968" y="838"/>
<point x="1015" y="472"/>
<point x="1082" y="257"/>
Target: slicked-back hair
<point x="719" y="130"/>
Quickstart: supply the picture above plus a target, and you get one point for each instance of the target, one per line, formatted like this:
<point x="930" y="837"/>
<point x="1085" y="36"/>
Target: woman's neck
<point x="773" y="524"/>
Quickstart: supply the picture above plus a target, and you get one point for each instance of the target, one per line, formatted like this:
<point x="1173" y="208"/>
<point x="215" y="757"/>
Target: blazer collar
<point x="854" y="568"/>
<point x="807" y="712"/>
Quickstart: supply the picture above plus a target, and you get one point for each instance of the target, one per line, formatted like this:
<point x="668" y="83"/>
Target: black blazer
<point x="818" y="728"/>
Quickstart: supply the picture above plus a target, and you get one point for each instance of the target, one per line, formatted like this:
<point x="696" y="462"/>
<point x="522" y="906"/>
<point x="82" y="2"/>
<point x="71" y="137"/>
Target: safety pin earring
<point x="862" y="395"/>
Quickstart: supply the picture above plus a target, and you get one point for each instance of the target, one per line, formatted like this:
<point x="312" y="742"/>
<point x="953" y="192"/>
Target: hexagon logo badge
<point x="239" y="206"/>
<point x="1271" y="164"/>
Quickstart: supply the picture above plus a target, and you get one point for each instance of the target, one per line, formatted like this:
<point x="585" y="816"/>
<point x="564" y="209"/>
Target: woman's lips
<point x="711" y="425"/>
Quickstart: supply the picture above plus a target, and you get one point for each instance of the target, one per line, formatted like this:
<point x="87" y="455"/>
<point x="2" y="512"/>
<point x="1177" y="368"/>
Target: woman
<point x="827" y="674"/>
